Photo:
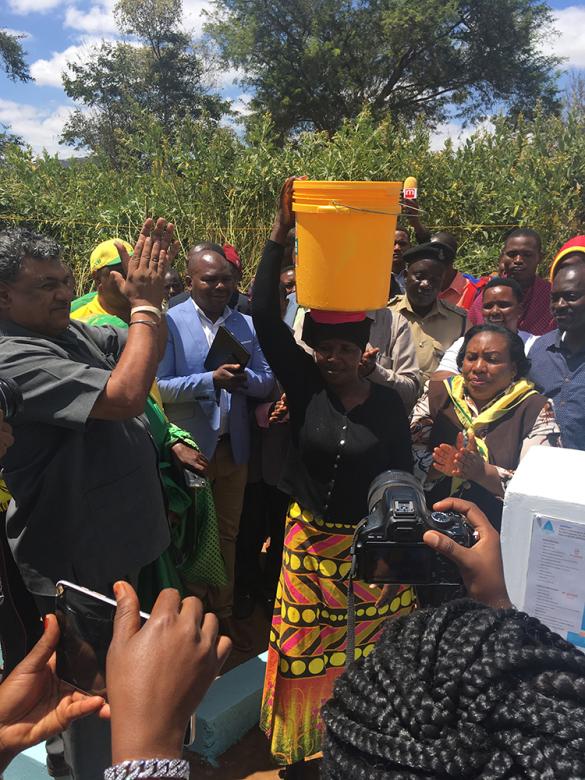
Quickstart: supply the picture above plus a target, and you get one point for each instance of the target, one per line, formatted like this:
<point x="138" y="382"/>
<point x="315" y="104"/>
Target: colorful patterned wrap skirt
<point x="307" y="650"/>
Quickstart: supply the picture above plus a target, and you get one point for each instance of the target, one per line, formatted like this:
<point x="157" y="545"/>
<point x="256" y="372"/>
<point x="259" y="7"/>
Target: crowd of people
<point x="135" y="459"/>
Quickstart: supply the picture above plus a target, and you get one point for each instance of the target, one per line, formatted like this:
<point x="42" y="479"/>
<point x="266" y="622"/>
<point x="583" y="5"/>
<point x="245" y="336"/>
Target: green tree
<point x="154" y="72"/>
<point x="12" y="56"/>
<point x="314" y="63"/>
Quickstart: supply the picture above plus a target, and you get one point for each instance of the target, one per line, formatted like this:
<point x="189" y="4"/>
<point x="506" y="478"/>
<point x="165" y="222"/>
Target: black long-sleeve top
<point x="334" y="454"/>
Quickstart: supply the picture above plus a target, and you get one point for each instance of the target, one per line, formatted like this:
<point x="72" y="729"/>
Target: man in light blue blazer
<point x="212" y="405"/>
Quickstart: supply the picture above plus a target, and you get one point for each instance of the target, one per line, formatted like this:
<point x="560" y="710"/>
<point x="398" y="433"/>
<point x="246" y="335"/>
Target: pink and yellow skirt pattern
<point x="308" y="639"/>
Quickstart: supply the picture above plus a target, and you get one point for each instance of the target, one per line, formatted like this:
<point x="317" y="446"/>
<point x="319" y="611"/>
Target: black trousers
<point x="20" y="620"/>
<point x="263" y="515"/>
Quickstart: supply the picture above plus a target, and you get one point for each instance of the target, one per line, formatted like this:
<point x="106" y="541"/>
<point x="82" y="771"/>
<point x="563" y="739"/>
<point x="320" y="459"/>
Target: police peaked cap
<point x="433" y="250"/>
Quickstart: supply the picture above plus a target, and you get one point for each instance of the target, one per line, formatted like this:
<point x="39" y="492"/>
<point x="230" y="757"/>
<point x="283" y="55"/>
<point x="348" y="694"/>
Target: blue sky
<point x="61" y="30"/>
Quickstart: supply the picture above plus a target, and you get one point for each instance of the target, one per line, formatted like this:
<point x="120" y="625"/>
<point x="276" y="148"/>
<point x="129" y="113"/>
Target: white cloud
<point x="99" y="18"/>
<point x="226" y="78"/>
<point x="570" y="43"/>
<point x="241" y="105"/>
<point x="456" y="133"/>
<point x="22" y="34"/>
<point x="39" y="127"/>
<point x="32" y="6"/>
<point x="48" y="73"/>
<point x="193" y="20"/>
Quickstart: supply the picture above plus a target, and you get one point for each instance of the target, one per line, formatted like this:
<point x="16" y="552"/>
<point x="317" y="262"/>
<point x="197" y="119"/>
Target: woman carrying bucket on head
<point x="345" y="431"/>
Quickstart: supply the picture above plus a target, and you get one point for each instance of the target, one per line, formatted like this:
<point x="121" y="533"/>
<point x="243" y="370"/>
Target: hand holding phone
<point x="34" y="704"/>
<point x="86" y="621"/>
<point x="158" y="674"/>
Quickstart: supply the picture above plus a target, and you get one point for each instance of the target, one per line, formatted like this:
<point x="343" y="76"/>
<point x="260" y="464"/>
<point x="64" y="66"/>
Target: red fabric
<point x="472" y="291"/>
<point x="575" y="244"/>
<point x="232" y="256"/>
<point x="536" y="315"/>
<point x="337" y="317"/>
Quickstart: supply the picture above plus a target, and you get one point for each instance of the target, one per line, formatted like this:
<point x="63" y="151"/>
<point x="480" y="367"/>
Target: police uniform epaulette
<point x="453" y="307"/>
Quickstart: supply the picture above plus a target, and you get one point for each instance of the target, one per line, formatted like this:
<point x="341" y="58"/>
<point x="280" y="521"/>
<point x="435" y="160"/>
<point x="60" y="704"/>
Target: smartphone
<point x="86" y="620"/>
<point x="193" y="480"/>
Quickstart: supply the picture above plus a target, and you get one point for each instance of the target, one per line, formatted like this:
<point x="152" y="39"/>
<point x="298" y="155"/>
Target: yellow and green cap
<point x="107" y="253"/>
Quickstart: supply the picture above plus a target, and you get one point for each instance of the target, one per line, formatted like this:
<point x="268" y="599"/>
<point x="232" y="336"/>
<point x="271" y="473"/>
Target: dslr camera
<point x="388" y="545"/>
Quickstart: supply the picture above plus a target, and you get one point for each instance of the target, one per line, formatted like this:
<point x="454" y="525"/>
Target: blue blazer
<point x="188" y="391"/>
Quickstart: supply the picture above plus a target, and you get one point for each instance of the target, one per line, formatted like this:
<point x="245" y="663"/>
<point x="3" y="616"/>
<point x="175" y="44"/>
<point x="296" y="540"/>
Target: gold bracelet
<point x="149" y="309"/>
<point x="150" y="323"/>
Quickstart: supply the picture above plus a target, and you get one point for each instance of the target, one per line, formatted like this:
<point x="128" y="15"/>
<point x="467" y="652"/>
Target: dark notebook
<point x="225" y="349"/>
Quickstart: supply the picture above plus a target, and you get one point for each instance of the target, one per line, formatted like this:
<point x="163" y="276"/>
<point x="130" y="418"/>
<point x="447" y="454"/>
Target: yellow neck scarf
<point x="509" y="399"/>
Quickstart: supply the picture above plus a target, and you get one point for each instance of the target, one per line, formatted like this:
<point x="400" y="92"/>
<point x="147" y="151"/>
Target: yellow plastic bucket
<point x="345" y="241"/>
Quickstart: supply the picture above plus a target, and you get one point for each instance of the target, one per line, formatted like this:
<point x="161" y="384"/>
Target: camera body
<point x="11" y="400"/>
<point x="388" y="545"/>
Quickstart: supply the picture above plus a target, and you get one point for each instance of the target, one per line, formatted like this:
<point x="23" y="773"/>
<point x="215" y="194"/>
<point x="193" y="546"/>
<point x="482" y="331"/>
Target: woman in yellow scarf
<point x="470" y="431"/>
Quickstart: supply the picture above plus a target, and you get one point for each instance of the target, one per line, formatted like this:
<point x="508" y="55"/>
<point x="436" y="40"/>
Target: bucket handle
<point x="343" y="208"/>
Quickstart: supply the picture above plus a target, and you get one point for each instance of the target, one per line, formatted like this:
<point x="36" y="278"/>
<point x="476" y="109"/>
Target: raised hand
<point x="481" y="565"/>
<point x="153" y="255"/>
<point x="34" y="703"/>
<point x="158" y="674"/>
<point x="285" y="216"/>
<point x="410" y="208"/>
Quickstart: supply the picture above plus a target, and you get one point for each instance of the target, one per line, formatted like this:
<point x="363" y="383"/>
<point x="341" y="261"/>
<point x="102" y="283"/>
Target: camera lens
<point x="10" y="398"/>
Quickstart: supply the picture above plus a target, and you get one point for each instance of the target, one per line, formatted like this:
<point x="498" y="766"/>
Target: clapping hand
<point x="368" y="361"/>
<point x="279" y="411"/>
<point x="444" y="457"/>
<point x="35" y="704"/>
<point x="469" y="463"/>
<point x="463" y="460"/>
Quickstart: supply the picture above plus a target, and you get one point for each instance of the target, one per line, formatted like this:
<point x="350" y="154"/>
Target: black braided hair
<point x="461" y="691"/>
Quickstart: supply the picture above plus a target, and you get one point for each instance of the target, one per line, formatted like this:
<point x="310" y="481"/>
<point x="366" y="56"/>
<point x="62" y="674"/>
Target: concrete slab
<point x="230" y="709"/>
<point x="29" y="765"/>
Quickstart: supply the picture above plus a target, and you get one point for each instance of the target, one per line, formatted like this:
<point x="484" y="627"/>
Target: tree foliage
<point x="154" y="72"/>
<point x="217" y="187"/>
<point x="12" y="56"/>
<point x="314" y="63"/>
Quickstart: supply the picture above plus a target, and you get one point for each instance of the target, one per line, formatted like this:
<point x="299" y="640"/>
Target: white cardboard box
<point x="543" y="539"/>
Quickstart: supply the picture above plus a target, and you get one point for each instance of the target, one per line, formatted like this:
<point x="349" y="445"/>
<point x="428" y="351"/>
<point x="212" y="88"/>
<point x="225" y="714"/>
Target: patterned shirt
<point x="560" y="375"/>
<point x="545" y="432"/>
<point x="536" y="315"/>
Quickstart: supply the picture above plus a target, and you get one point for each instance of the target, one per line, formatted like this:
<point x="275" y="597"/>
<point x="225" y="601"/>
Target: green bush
<point x="218" y="186"/>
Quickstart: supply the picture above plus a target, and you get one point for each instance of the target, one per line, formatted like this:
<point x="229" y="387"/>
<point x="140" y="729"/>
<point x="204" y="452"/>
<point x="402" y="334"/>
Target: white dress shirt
<point x="449" y="359"/>
<point x="210" y="329"/>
